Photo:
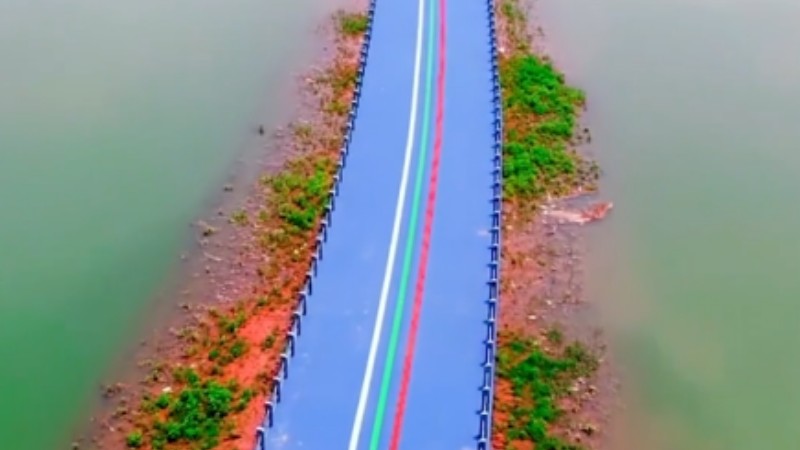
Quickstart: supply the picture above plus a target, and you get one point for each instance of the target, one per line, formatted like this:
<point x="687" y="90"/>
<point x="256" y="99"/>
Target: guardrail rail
<point x="490" y="343"/>
<point x="270" y="405"/>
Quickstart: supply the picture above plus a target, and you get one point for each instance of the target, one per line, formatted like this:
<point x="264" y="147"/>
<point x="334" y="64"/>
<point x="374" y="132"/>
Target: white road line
<point x="358" y="420"/>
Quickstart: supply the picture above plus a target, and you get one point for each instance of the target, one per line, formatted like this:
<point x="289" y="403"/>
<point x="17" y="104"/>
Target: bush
<point x="541" y="112"/>
<point x="353" y="24"/>
<point x="135" y="439"/>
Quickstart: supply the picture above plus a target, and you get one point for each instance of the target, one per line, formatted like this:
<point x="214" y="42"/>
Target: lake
<point x="693" y="106"/>
<point x="118" y="122"/>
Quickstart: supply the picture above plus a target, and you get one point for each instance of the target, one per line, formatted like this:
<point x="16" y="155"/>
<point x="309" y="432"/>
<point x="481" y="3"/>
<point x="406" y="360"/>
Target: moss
<point x="352" y="24"/>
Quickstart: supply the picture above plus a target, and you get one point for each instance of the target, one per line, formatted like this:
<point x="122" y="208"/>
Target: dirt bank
<point x="555" y="384"/>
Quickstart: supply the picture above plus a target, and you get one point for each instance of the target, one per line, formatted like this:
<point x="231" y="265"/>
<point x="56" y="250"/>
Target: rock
<point x="112" y="390"/>
<point x="588" y="428"/>
<point x="212" y="257"/>
<point x="206" y="229"/>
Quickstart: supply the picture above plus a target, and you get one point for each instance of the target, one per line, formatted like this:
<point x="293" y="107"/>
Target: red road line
<point x="430" y="209"/>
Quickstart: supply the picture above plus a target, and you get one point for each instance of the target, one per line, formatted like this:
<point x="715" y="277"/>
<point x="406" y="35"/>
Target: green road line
<point x="380" y="410"/>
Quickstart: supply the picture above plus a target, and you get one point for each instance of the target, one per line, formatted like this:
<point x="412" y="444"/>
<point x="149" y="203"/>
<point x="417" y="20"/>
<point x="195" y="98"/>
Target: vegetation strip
<point x="540" y="113"/>
<point x="380" y="410"/>
<point x="426" y="236"/>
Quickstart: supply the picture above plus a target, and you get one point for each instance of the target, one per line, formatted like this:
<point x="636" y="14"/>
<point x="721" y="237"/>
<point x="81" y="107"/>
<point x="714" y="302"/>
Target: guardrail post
<point x="260" y="438"/>
<point x="290" y="338"/>
<point x="329" y="210"/>
<point x="276" y="388"/>
<point x="305" y="300"/>
<point x="285" y="364"/>
<point x="269" y="411"/>
<point x="296" y="319"/>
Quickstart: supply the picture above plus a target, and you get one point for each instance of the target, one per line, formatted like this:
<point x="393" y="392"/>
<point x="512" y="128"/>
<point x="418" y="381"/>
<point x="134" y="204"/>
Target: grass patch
<point x="538" y="380"/>
<point x="540" y="114"/>
<point x="240" y="218"/>
<point x="301" y="192"/>
<point x="555" y="336"/>
<point x="134" y="439"/>
<point x="196" y="414"/>
<point x="352" y="24"/>
<point x="192" y="417"/>
<point x="268" y="342"/>
<point x="303" y="131"/>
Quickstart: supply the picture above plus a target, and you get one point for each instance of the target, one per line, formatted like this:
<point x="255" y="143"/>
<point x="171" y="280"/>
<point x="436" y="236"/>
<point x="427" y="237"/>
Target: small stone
<point x="588" y="428"/>
<point x="206" y="229"/>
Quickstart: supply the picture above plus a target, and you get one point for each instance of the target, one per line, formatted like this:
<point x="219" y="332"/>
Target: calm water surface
<point x="117" y="121"/>
<point x="695" y="110"/>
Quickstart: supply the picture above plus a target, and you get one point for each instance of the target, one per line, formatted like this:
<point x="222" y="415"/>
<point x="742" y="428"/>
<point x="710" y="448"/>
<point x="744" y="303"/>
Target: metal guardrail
<point x="322" y="236"/>
<point x="490" y="344"/>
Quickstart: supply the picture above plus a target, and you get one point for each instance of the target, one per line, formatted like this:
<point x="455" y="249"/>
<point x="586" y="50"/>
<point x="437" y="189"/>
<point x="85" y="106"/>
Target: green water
<point x="694" y="111"/>
<point x="118" y="121"/>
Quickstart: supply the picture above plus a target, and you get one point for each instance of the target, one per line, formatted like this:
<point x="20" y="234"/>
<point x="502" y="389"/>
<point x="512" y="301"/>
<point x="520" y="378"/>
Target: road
<point x="392" y="348"/>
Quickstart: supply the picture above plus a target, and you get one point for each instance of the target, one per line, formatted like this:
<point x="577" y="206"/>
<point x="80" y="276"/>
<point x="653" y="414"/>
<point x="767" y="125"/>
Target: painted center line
<point x="369" y="370"/>
<point x="397" y="322"/>
<point x="430" y="209"/>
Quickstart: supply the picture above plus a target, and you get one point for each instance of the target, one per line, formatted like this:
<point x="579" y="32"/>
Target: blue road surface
<point x="444" y="398"/>
<point x="356" y="279"/>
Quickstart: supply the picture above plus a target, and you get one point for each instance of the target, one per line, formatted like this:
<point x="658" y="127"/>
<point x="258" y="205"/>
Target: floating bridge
<point x="394" y="339"/>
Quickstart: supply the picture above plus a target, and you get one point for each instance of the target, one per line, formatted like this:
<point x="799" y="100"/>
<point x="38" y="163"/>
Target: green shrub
<point x="541" y="111"/>
<point x="538" y="379"/>
<point x="134" y="439"/>
<point x="238" y="348"/>
<point x="197" y="413"/>
<point x="162" y="402"/>
<point x="353" y="24"/>
<point x="301" y="193"/>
